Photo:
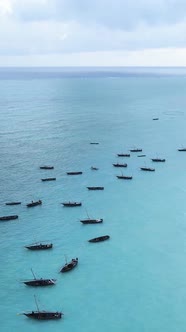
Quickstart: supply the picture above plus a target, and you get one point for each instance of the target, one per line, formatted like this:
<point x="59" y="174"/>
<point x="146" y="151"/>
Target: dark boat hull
<point x="120" y="165"/>
<point x="71" y="204"/>
<point x="40" y="246"/>
<point x="158" y="160"/>
<point x="69" y="266"/>
<point x="99" y="239"/>
<point x="48" y="179"/>
<point x="183" y="149"/>
<point x="95" y="188"/>
<point x="123" y="155"/>
<point x="40" y="282"/>
<point x="74" y="173"/>
<point x="43" y="315"/>
<point x="136" y="150"/>
<point x="123" y="177"/>
<point x="46" y="167"/>
<point x="147" y="169"/>
<point x="13" y="203"/>
<point x="32" y="204"/>
<point x="7" y="218"/>
<point x="91" y="221"/>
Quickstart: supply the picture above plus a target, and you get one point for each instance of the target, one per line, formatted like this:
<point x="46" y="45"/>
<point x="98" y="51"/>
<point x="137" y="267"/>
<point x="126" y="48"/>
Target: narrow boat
<point x="94" y="168"/>
<point x="148" y="169"/>
<point x="99" y="239"/>
<point x="39" y="246"/>
<point x="119" y="165"/>
<point x="39" y="282"/>
<point x="69" y="266"/>
<point x="74" y="173"/>
<point x="136" y="150"/>
<point x="34" y="203"/>
<point x="6" y="218"/>
<point x="155" y="119"/>
<point x="43" y="315"/>
<point x="71" y="204"/>
<point x="95" y="188"/>
<point x="124" y="177"/>
<point x="123" y="154"/>
<point x="48" y="179"/>
<point x="158" y="160"/>
<point x="94" y="143"/>
<point x="141" y="155"/>
<point x="46" y="167"/>
<point x="91" y="221"/>
<point x="182" y="149"/>
<point x="13" y="203"/>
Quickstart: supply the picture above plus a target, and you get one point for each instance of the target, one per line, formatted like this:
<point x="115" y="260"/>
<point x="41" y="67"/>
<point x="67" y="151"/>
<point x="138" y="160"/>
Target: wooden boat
<point x="39" y="282"/>
<point x="148" y="169"/>
<point x="136" y="150"/>
<point x="91" y="221"/>
<point x="155" y="119"/>
<point x="39" y="246"/>
<point x="158" y="160"/>
<point x="123" y="154"/>
<point x="95" y="188"/>
<point x="43" y="315"/>
<point x="13" y="203"/>
<point x="6" y="218"/>
<point x="71" y="204"/>
<point x="124" y="177"/>
<point x="94" y="143"/>
<point x="99" y="239"/>
<point x="48" y="179"/>
<point x="94" y="168"/>
<point x="141" y="155"/>
<point x="34" y="203"/>
<point x="46" y="167"/>
<point x="69" y="266"/>
<point x="74" y="173"/>
<point x="119" y="165"/>
<point x="182" y="149"/>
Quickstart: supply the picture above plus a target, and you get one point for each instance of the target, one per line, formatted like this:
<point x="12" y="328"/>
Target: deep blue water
<point x="136" y="281"/>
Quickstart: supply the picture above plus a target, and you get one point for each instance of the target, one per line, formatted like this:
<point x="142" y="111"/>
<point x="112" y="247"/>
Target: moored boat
<point x="46" y="167"/>
<point x="71" y="204"/>
<point x="94" y="143"/>
<point x="74" y="173"/>
<point x="141" y="155"/>
<point x="69" y="266"/>
<point x="39" y="246"/>
<point x="6" y="218"/>
<point x="182" y="149"/>
<point x="48" y="179"/>
<point x="91" y="221"/>
<point x="39" y="282"/>
<point x="158" y="160"/>
<point x="94" y="168"/>
<point x="124" y="177"/>
<point x="119" y="165"/>
<point x="100" y="238"/>
<point x="95" y="188"/>
<point x="155" y="119"/>
<point x="43" y="315"/>
<point x="34" y="203"/>
<point x="13" y="203"/>
<point x="123" y="154"/>
<point x="136" y="150"/>
<point x="148" y="169"/>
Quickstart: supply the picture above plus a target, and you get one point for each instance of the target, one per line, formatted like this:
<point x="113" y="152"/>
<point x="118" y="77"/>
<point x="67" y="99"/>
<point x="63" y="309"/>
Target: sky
<point x="92" y="33"/>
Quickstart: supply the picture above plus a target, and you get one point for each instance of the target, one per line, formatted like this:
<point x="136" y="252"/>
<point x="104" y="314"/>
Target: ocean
<point x="135" y="281"/>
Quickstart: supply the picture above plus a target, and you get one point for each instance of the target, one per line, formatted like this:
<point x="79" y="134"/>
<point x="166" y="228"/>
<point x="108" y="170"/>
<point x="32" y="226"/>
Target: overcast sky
<point x="93" y="32"/>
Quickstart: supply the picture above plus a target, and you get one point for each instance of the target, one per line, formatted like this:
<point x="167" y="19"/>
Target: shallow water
<point x="136" y="281"/>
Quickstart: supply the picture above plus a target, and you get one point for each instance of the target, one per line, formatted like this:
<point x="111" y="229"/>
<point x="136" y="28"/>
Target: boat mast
<point x="36" y="303"/>
<point x="33" y="274"/>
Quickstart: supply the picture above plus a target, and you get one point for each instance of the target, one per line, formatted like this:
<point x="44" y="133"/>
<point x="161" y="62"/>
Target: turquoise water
<point x="136" y="281"/>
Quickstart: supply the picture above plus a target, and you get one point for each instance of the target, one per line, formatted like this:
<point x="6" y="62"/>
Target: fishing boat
<point x="13" y="203"/>
<point x="74" y="173"/>
<point x="99" y="239"/>
<point x="39" y="246"/>
<point x="155" y="119"/>
<point x="91" y="221"/>
<point x="46" y="167"/>
<point x="48" y="179"/>
<point x="94" y="143"/>
<point x="119" y="165"/>
<point x="124" y="177"/>
<point x="39" y="282"/>
<point x="71" y="204"/>
<point x="123" y="154"/>
<point x="136" y="150"/>
<point x="32" y="204"/>
<point x="95" y="188"/>
<point x="141" y="155"/>
<point x="6" y="218"/>
<point x="94" y="168"/>
<point x="43" y="315"/>
<point x="148" y="169"/>
<point x="69" y="266"/>
<point x="158" y="160"/>
<point x="182" y="149"/>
